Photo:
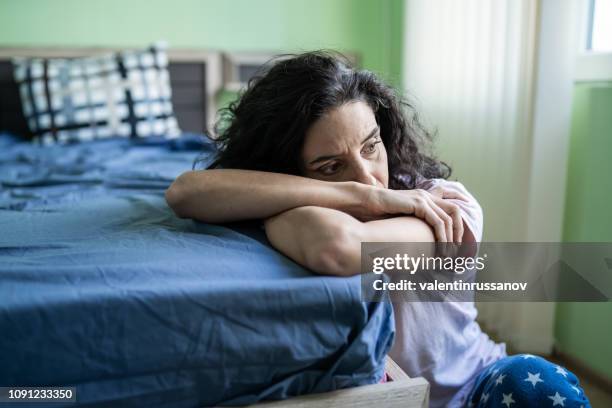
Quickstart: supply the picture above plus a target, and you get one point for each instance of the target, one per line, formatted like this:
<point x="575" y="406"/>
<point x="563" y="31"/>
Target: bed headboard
<point x="195" y="79"/>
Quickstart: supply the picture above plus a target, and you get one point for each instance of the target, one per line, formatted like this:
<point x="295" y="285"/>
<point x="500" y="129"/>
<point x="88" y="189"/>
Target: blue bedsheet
<point x="103" y="288"/>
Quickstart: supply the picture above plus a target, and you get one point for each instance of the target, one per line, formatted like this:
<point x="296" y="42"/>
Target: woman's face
<point x="345" y="145"/>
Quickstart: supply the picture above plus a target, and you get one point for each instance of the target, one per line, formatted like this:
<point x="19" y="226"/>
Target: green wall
<point x="370" y="27"/>
<point x="584" y="330"/>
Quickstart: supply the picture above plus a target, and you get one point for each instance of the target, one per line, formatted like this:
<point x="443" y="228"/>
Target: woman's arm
<point x="225" y="195"/>
<point x="218" y="196"/>
<point x="328" y="241"/>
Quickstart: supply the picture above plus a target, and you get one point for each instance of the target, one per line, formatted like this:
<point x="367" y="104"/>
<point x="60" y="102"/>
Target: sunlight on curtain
<point x="469" y="65"/>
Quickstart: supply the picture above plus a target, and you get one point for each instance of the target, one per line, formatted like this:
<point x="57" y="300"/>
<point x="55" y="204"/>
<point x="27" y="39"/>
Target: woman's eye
<point x="371" y="148"/>
<point x="330" y="169"/>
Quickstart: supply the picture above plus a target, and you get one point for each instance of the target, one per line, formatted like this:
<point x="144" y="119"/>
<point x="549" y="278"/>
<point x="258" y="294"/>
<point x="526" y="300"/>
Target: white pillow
<point x="124" y="94"/>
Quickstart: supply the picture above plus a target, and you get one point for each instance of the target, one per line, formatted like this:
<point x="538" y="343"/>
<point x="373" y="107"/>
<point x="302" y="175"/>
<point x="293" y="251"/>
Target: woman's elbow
<point x="339" y="255"/>
<point x="175" y="196"/>
<point x="326" y="241"/>
<point x="329" y="261"/>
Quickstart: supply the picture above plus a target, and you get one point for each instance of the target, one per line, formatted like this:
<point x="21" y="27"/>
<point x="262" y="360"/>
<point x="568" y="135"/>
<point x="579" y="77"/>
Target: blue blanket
<point x="104" y="289"/>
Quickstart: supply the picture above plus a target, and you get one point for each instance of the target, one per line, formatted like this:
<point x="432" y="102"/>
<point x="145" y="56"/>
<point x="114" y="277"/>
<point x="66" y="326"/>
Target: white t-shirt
<point x="441" y="341"/>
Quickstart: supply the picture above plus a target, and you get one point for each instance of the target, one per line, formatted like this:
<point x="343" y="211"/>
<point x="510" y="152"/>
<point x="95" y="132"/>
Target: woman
<point x="330" y="157"/>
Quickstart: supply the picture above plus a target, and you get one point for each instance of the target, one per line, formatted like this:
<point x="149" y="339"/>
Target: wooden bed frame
<point x="196" y="78"/>
<point x="400" y="392"/>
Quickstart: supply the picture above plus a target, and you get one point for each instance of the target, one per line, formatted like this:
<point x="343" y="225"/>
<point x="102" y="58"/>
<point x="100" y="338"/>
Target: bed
<point x="103" y="289"/>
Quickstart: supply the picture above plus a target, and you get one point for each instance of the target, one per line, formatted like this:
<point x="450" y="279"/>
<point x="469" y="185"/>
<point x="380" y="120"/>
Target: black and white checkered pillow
<point x="123" y="94"/>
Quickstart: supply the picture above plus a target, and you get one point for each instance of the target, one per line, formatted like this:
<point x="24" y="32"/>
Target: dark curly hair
<point x="264" y="129"/>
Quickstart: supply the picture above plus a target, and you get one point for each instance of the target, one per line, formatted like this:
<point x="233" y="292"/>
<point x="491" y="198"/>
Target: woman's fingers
<point x="428" y="210"/>
<point x="446" y="212"/>
<point x="443" y="216"/>
<point x="454" y="212"/>
<point x="432" y="217"/>
<point x="446" y="220"/>
<point x="442" y="192"/>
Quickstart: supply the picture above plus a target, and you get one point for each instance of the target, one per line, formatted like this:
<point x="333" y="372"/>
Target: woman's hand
<point x="432" y="207"/>
<point x="441" y="194"/>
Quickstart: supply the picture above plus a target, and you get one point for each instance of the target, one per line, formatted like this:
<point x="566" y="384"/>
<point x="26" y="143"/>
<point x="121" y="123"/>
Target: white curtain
<point x="474" y="69"/>
<point x="469" y="64"/>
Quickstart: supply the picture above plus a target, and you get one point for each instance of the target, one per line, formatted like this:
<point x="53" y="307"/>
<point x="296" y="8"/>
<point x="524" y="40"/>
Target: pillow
<point x="123" y="94"/>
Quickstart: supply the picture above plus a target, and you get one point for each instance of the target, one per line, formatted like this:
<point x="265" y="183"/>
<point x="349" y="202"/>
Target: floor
<point x="599" y="398"/>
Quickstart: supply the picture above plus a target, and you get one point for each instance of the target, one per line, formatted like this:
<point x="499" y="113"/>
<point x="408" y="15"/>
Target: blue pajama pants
<point x="525" y="380"/>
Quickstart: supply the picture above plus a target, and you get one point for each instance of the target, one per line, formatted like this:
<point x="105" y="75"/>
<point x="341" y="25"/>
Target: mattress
<point x="102" y="288"/>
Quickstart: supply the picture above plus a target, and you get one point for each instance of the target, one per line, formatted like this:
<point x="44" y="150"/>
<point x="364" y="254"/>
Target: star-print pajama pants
<point x="525" y="380"/>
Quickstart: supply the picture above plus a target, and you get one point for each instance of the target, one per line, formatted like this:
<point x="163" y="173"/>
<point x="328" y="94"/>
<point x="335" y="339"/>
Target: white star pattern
<point x="484" y="397"/>
<point x="576" y="389"/>
<point x="508" y="399"/>
<point x="561" y="370"/>
<point x="533" y="378"/>
<point x="526" y="356"/>
<point x="557" y="399"/>
<point x="500" y="379"/>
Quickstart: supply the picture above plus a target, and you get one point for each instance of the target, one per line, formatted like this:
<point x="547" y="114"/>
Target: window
<point x="599" y="35"/>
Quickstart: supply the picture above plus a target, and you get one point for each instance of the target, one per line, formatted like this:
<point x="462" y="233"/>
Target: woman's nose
<point x="363" y="175"/>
